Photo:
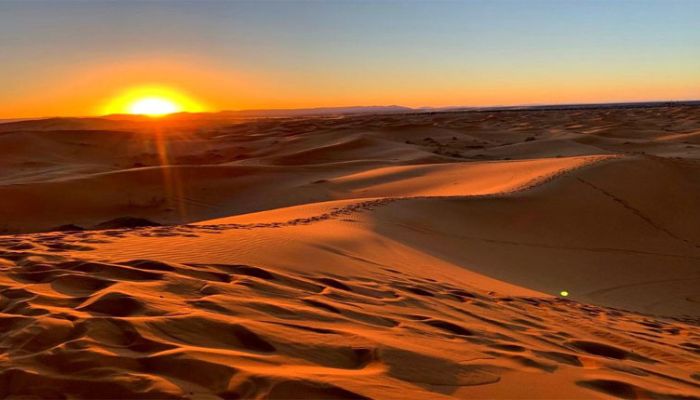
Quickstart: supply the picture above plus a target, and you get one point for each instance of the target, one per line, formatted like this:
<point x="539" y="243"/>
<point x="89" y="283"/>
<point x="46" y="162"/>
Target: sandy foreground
<point x="406" y="256"/>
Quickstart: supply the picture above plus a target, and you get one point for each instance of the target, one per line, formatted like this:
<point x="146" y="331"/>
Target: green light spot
<point x="564" y="293"/>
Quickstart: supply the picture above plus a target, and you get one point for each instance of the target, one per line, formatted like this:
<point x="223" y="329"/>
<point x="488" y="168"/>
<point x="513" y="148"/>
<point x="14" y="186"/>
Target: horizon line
<point x="448" y="108"/>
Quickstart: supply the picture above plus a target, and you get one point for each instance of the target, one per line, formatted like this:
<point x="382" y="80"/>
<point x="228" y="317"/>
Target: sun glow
<point x="153" y="106"/>
<point x="153" y="101"/>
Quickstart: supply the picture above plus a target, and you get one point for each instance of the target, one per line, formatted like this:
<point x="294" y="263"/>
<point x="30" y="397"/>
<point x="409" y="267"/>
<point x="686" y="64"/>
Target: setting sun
<point x="154" y="107"/>
<point x="153" y="101"/>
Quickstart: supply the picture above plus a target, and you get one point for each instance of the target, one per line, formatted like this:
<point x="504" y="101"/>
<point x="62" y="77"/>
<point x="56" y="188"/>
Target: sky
<point x="75" y="57"/>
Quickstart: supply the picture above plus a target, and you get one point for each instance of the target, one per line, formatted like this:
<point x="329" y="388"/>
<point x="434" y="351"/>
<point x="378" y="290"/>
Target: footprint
<point x="334" y="283"/>
<point x="120" y="333"/>
<point x="626" y="390"/>
<point x="507" y="347"/>
<point x="604" y="350"/>
<point x="241" y="270"/>
<point x="149" y="265"/>
<point x="417" y="290"/>
<point x="322" y="305"/>
<point x="115" y="304"/>
<point x="211" y="375"/>
<point x="35" y="273"/>
<point x="423" y="369"/>
<point x="22" y="246"/>
<point x="559" y="357"/>
<point x="79" y="285"/>
<point x="111" y="271"/>
<point x="461" y="294"/>
<point x="449" y="327"/>
<point x="198" y="331"/>
<point x="301" y="389"/>
<point x="525" y="361"/>
<point x="416" y="317"/>
<point x="62" y="246"/>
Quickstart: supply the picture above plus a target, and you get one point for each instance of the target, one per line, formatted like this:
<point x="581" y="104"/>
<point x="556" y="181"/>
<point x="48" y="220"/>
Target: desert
<point x="537" y="252"/>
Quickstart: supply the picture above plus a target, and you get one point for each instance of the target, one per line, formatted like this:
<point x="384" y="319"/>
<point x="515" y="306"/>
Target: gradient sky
<point x="71" y="58"/>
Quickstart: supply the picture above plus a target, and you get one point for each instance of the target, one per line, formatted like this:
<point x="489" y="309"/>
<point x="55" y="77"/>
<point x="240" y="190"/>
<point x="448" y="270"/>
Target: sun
<point x="152" y="101"/>
<point x="153" y="107"/>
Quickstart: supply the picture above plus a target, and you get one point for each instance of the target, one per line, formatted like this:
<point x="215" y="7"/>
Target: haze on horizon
<point x="73" y="57"/>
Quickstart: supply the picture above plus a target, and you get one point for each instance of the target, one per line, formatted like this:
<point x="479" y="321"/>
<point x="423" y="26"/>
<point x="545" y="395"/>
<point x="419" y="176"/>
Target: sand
<point x="367" y="256"/>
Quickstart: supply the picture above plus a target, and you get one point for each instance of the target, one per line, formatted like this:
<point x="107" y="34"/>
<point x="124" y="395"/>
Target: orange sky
<point x="90" y="89"/>
<point x="75" y="58"/>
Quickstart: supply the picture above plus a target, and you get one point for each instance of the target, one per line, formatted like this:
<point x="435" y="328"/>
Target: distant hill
<point x="319" y="111"/>
<point x="127" y="122"/>
<point x="69" y="123"/>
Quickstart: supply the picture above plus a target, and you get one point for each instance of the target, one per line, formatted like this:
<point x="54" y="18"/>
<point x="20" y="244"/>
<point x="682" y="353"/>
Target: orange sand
<point x="374" y="256"/>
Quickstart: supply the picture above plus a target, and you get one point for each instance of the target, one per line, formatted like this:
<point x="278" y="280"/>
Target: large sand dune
<point x="370" y="256"/>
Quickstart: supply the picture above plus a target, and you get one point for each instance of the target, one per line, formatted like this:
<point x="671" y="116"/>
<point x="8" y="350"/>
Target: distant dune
<point x="381" y="253"/>
<point x="319" y="111"/>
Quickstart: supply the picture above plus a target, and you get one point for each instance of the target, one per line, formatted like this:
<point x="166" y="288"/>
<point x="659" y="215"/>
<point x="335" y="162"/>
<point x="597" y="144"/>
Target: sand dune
<point x="386" y="257"/>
